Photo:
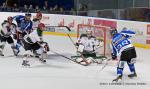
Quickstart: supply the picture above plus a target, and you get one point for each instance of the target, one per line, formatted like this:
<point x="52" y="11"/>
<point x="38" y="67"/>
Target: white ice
<point x="60" y="73"/>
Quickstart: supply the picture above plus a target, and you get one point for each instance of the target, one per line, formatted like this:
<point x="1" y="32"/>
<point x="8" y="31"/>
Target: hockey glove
<point x="114" y="57"/>
<point x="77" y="44"/>
<point x="15" y="36"/>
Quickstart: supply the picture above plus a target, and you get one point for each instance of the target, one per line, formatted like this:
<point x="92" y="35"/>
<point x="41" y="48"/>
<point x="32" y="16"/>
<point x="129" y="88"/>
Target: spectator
<point x="25" y="9"/>
<point x="73" y="11"/>
<point x="31" y="9"/>
<point x="83" y="7"/>
<point x="15" y="8"/>
<point x="55" y="8"/>
<point x="44" y="10"/>
<point x="83" y="10"/>
<point x="46" y="4"/>
<point x="4" y="7"/>
<point x="37" y="9"/>
<point x="61" y="10"/>
<point x="51" y="10"/>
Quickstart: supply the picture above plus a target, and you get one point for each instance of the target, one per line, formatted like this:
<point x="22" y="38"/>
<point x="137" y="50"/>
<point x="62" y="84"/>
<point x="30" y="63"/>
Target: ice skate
<point x="119" y="78"/>
<point x="1" y="53"/>
<point x="25" y="63"/>
<point x="42" y="60"/>
<point x="132" y="75"/>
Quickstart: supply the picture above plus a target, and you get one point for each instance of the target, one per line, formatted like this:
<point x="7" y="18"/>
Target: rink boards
<point x="142" y="29"/>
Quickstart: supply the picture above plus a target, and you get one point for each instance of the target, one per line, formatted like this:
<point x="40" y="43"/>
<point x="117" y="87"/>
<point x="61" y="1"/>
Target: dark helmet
<point x="28" y="14"/>
<point x="113" y="32"/>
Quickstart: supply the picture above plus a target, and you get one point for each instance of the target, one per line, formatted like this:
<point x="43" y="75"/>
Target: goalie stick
<point x="105" y="65"/>
<point x="66" y="57"/>
<point x="84" y="60"/>
<point x="76" y="48"/>
<point x="73" y="43"/>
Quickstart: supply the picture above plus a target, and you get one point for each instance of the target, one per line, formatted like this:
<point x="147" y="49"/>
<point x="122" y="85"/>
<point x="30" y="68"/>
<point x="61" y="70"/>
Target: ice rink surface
<point x="60" y="73"/>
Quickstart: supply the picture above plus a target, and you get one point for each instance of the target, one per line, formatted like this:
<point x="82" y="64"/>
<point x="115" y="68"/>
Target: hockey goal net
<point x="102" y="33"/>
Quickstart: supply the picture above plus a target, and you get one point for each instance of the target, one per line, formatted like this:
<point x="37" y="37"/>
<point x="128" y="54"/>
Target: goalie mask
<point x="89" y="33"/>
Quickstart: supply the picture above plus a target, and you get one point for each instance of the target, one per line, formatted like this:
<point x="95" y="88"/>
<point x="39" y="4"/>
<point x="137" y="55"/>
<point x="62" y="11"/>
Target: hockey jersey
<point x="35" y="23"/>
<point x="121" y="41"/>
<point x="24" y="26"/>
<point x="7" y="29"/>
<point x="89" y="43"/>
<point x="33" y="37"/>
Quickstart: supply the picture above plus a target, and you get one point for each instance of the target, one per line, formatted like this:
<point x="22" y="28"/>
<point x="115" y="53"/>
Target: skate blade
<point x="26" y="66"/>
<point x="117" y="81"/>
<point x="132" y="77"/>
<point x="42" y="62"/>
<point x="2" y="55"/>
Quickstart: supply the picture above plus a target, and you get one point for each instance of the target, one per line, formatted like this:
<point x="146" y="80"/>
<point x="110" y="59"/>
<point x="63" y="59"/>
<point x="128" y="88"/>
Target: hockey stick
<point x="105" y="64"/>
<point x="77" y="48"/>
<point x="74" y="43"/>
<point x="66" y="57"/>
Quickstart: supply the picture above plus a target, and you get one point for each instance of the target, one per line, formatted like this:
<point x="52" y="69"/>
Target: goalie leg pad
<point x="89" y="60"/>
<point x="79" y="60"/>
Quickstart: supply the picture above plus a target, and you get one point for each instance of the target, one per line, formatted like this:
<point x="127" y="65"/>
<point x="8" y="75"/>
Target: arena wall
<point x="142" y="29"/>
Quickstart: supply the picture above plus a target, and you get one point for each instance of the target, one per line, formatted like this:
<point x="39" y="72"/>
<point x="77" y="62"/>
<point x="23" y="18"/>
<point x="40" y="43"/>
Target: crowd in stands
<point x="45" y="9"/>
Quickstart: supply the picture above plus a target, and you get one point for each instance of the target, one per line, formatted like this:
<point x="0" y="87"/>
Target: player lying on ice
<point x="87" y="45"/>
<point x="32" y="43"/>
<point x="124" y="51"/>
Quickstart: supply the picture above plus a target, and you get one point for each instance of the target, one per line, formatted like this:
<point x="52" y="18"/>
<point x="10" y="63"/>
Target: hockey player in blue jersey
<point x="24" y="24"/>
<point x="124" y="51"/>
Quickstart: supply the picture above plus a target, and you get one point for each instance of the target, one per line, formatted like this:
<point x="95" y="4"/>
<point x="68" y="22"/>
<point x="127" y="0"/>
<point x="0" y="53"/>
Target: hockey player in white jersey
<point x="87" y="44"/>
<point x="124" y="51"/>
<point x="37" y="20"/>
<point x="32" y="42"/>
<point x="8" y="28"/>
